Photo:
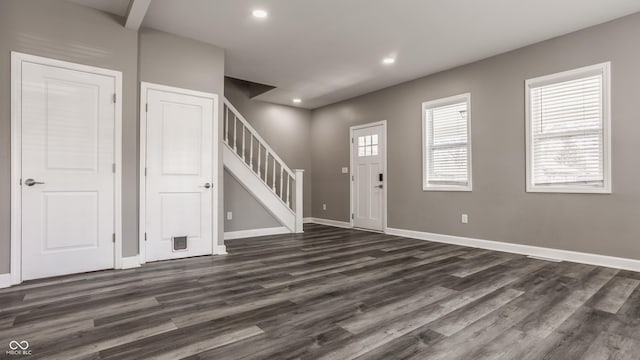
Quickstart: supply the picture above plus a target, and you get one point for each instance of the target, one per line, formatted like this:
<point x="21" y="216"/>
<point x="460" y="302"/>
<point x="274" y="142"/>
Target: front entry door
<point x="368" y="153"/>
<point x="179" y="184"/>
<point x="68" y="162"/>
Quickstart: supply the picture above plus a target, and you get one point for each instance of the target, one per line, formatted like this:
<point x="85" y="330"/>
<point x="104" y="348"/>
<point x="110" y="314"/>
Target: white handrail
<point x="257" y="137"/>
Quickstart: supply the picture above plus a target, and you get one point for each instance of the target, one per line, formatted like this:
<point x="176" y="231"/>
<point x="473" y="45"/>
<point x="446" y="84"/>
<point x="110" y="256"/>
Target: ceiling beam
<point x="136" y="13"/>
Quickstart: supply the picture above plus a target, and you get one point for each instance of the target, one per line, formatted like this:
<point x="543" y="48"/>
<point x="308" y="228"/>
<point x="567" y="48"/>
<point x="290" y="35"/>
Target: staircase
<point x="249" y="158"/>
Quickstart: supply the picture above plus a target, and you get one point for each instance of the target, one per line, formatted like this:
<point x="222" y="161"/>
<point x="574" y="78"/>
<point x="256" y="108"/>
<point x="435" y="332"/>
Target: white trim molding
<point x="534" y="251"/>
<point x="130" y="262"/>
<point x="219" y="249"/>
<point x="328" y="222"/>
<point x="17" y="59"/>
<point x="5" y="280"/>
<point x="241" y="234"/>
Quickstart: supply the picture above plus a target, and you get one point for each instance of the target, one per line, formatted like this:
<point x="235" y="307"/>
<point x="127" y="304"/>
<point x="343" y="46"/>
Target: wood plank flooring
<point x="331" y="294"/>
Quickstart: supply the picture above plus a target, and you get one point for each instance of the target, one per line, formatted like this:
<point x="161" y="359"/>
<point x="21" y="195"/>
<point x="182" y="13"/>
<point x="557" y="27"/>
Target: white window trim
<point x="425" y="158"/>
<point x="605" y="70"/>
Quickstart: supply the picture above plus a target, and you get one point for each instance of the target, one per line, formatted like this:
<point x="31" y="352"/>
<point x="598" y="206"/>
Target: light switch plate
<point x="229" y="215"/>
<point x="345" y="170"/>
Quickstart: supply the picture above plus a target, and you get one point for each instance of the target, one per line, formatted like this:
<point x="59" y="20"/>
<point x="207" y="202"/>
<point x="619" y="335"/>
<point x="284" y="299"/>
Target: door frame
<point x="142" y="215"/>
<point x="352" y="173"/>
<point x="17" y="59"/>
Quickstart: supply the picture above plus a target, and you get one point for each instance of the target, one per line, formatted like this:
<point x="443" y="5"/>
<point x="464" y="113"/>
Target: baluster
<point x="226" y="124"/>
<point x="251" y="150"/>
<point x="235" y="133"/>
<point x="281" y="173"/>
<point x="274" y="175"/>
<point x="266" y="167"/>
<point x="288" y="184"/>
<point x="244" y="130"/>
<point x="259" y="160"/>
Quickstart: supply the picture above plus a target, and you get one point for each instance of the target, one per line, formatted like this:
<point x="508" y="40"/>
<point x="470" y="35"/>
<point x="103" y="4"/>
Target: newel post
<point x="299" y="196"/>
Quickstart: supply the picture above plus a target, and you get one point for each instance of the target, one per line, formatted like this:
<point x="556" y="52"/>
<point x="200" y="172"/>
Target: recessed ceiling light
<point x="260" y="14"/>
<point x="297" y="101"/>
<point x="388" y="60"/>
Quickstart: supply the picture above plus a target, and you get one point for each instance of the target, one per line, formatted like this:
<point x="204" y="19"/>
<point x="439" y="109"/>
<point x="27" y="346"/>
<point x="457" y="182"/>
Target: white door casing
<point x="368" y="176"/>
<point x="179" y="185"/>
<point x="66" y="157"/>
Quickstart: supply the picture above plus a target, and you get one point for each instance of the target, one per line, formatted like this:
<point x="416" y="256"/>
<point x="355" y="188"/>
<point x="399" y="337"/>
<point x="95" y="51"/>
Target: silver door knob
<point x="206" y="186"/>
<point x="31" y="182"/>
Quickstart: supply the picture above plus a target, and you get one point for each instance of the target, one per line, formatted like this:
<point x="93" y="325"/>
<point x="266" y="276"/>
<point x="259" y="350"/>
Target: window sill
<point x="568" y="190"/>
<point x="447" y="188"/>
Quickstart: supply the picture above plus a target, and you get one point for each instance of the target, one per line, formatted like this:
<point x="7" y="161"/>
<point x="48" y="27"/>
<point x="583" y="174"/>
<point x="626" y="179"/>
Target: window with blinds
<point x="567" y="131"/>
<point x="447" y="144"/>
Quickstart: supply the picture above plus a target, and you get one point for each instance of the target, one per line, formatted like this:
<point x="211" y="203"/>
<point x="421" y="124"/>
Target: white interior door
<point x="368" y="171"/>
<point x="68" y="185"/>
<point x="179" y="183"/>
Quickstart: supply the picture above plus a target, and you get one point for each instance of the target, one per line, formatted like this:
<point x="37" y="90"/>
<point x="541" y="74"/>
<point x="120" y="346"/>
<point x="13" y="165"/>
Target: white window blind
<point x="447" y="144"/>
<point x="567" y="126"/>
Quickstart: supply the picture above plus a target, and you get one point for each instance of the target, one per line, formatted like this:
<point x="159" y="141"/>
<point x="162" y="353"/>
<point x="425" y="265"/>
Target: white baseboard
<point x="536" y="251"/>
<point x="241" y="234"/>
<point x="219" y="250"/>
<point x="5" y="280"/>
<point x="130" y="262"/>
<point x="335" y="223"/>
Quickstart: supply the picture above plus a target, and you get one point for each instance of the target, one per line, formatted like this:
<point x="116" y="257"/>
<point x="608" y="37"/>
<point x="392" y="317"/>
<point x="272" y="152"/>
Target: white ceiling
<point x="324" y="51"/>
<point x="118" y="7"/>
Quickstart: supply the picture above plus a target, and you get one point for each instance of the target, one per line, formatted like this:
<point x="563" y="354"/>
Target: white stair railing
<point x="245" y="142"/>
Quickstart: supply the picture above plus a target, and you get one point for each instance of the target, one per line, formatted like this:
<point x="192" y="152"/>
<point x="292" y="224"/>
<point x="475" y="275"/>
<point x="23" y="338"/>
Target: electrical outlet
<point x="229" y="215"/>
<point x="345" y="170"/>
<point x="465" y="219"/>
<point x="324" y="206"/>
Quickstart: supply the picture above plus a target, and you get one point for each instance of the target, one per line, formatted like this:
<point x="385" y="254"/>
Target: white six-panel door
<point x="179" y="174"/>
<point x="68" y="183"/>
<point x="368" y="172"/>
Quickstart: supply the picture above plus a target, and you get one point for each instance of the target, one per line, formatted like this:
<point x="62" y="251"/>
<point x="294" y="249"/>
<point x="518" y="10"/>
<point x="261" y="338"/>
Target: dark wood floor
<point x="332" y="294"/>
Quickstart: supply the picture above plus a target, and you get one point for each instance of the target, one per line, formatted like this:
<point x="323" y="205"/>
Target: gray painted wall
<point x="499" y="208"/>
<point x="248" y="213"/>
<point x="65" y="31"/>
<point x="171" y="60"/>
<point x="287" y="129"/>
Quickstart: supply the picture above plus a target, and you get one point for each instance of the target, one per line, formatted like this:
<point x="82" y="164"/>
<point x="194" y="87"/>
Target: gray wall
<point x="248" y="213"/>
<point x="287" y="129"/>
<point x="65" y="31"/>
<point x="499" y="208"/>
<point x="171" y="60"/>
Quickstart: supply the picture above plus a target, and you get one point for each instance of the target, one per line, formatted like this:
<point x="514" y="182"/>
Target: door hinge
<point x="353" y="178"/>
<point x="20" y="181"/>
<point x="145" y="236"/>
<point x="146" y="107"/>
<point x="115" y="98"/>
<point x="352" y="217"/>
<point x="352" y="140"/>
<point x="113" y="237"/>
<point x="145" y="171"/>
<point x="113" y="168"/>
